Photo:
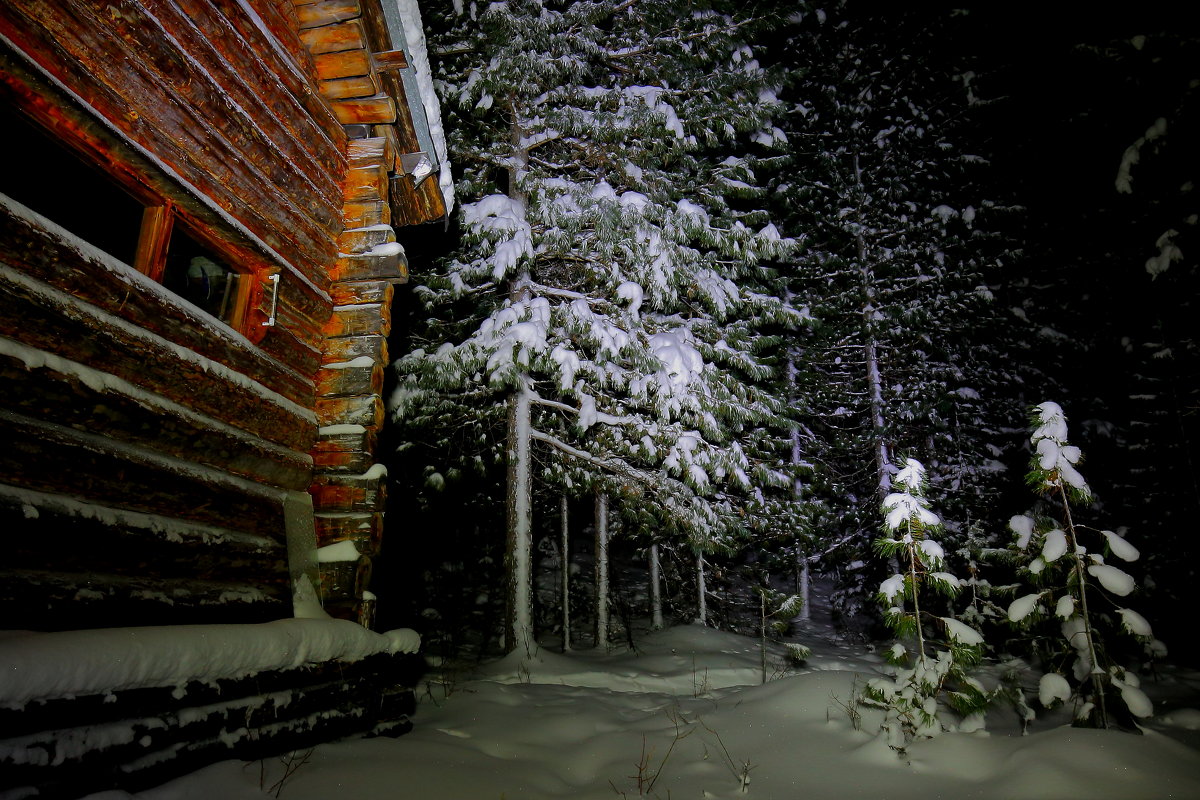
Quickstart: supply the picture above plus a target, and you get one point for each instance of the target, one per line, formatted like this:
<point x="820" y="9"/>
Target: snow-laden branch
<point x="614" y="465"/>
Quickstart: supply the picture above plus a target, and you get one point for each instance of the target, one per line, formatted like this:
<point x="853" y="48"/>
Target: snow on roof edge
<point x="414" y="34"/>
<point x="43" y="666"/>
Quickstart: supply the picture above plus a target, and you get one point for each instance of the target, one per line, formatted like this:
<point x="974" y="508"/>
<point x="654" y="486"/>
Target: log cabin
<point x="197" y="261"/>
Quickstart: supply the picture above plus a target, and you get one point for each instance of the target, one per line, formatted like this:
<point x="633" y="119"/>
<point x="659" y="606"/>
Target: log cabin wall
<point x="151" y="448"/>
<point x="357" y="57"/>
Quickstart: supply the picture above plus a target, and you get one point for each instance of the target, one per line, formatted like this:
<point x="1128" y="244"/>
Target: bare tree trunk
<point x="803" y="583"/>
<point x="565" y="562"/>
<point x="701" y="589"/>
<point x="656" y="609"/>
<point x="518" y="628"/>
<point x="883" y="456"/>
<point x="601" y="570"/>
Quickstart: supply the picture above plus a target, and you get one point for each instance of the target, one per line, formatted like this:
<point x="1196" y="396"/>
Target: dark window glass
<point x="50" y="179"/>
<point x="199" y="275"/>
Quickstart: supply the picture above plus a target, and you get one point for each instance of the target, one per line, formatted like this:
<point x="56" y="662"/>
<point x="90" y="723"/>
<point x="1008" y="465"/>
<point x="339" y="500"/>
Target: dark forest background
<point x="1062" y="93"/>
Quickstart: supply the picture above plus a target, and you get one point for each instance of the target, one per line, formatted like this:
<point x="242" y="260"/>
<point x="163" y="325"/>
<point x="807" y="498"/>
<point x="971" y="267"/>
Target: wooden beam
<point x="125" y="412"/>
<point x="47" y="457"/>
<point x="372" y="266"/>
<point x="363" y="213"/>
<point x="325" y="12"/>
<point x="357" y="241"/>
<point x="335" y="38"/>
<point x="365" y="529"/>
<point x="387" y="60"/>
<point x="354" y="347"/>
<point x="366" y="411"/>
<point x="347" y="64"/>
<point x="370" y="152"/>
<point x="366" y="184"/>
<point x="155" y="235"/>
<point x="349" y="88"/>
<point x="349" y="293"/>
<point x="365" y="110"/>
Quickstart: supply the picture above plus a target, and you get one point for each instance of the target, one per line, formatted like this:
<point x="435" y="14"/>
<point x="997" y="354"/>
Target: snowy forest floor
<point x="686" y="715"/>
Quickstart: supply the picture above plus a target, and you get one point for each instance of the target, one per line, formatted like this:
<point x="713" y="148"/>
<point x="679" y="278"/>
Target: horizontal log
<point x="334" y="38"/>
<point x="345" y="580"/>
<point x="347" y="293"/>
<point x="366" y="184"/>
<point x="369" y="152"/>
<point x="359" y="320"/>
<point x="367" y="319"/>
<point x="329" y="458"/>
<point x="348" y="64"/>
<point x="50" y="458"/>
<point x="349" y="493"/>
<point x="76" y="397"/>
<point x="376" y="110"/>
<point x="389" y="60"/>
<point x="171" y="731"/>
<point x="338" y="446"/>
<point x="239" y="61"/>
<point x="350" y="381"/>
<point x="326" y="12"/>
<point x="289" y="58"/>
<point x="364" y="529"/>
<point x="357" y="241"/>
<point x="367" y="411"/>
<point x="347" y="88"/>
<point x="356" y="347"/>
<point x="366" y="213"/>
<point x="43" y="318"/>
<point x="173" y="94"/>
<point x="54" y="601"/>
<point x="391" y="264"/>
<point x="95" y="538"/>
<point x="52" y="714"/>
<point x="283" y="345"/>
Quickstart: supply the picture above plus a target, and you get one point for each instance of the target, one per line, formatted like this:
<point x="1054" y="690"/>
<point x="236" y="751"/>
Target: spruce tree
<point x="933" y="653"/>
<point x="1084" y="592"/>
<point x="596" y="296"/>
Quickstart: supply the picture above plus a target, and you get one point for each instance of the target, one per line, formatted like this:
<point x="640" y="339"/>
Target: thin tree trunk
<point x="518" y="633"/>
<point x="803" y="583"/>
<point x="656" y="609"/>
<point x="601" y="570"/>
<point x="519" y="546"/>
<point x="701" y="589"/>
<point x="883" y="457"/>
<point x="565" y="562"/>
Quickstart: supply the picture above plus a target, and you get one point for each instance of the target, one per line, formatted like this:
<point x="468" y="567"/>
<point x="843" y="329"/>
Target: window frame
<point x="90" y="138"/>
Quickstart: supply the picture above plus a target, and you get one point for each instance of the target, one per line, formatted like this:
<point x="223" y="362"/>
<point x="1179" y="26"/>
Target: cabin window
<point x="201" y="276"/>
<point x="57" y="183"/>
<point x="43" y="175"/>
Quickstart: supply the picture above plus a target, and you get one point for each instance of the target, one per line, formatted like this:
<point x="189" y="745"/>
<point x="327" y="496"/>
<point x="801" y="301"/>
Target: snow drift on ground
<point x="686" y="716"/>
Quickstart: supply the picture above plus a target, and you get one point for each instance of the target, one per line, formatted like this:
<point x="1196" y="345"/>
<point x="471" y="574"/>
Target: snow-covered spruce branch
<point x="615" y="465"/>
<point x="599" y="416"/>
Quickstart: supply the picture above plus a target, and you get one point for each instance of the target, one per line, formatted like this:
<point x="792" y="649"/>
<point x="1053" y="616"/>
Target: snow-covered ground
<point x="687" y="716"/>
